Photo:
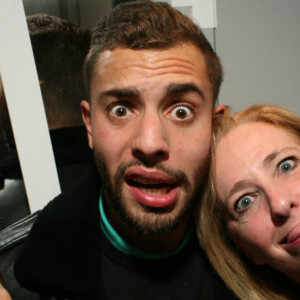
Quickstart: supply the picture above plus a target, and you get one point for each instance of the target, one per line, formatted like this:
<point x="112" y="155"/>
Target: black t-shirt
<point x="185" y="275"/>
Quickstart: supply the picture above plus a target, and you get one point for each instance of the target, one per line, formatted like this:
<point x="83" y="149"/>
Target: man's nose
<point x="150" y="141"/>
<point x="282" y="201"/>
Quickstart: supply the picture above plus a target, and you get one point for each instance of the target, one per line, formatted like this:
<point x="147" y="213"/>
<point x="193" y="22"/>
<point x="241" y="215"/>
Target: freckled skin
<point x="251" y="155"/>
<point x="150" y="125"/>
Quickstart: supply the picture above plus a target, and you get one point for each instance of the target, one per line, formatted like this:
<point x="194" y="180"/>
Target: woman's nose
<point x="281" y="201"/>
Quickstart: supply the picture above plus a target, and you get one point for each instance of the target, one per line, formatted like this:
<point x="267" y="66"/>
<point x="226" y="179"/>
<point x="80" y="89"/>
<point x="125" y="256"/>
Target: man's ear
<point x="86" y="115"/>
<point x="219" y="110"/>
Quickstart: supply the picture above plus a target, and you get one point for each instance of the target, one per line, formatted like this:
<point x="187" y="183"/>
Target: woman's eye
<point x="181" y="112"/>
<point x="243" y="203"/>
<point x="286" y="165"/>
<point x="121" y="111"/>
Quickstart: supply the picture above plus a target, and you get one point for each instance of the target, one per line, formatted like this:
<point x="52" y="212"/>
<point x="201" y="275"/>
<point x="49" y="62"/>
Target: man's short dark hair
<point x="59" y="49"/>
<point x="149" y="25"/>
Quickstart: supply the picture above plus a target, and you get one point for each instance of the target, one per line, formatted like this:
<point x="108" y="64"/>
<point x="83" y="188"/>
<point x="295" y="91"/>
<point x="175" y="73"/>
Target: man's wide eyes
<point x="181" y="112"/>
<point x="121" y="111"/>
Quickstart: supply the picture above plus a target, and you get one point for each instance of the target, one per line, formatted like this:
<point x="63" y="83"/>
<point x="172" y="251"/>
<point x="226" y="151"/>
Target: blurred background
<point x="258" y="42"/>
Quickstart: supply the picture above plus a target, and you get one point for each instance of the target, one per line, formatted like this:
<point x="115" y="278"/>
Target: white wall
<point x="259" y="44"/>
<point x="91" y="10"/>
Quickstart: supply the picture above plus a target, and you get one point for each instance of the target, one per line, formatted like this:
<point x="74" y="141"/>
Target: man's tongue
<point x="160" y="195"/>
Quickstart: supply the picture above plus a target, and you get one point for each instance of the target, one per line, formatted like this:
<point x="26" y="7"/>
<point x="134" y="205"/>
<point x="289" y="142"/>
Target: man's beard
<point x="154" y="221"/>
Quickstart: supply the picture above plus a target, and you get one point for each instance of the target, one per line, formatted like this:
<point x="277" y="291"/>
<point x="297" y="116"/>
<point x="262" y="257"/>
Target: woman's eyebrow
<point x="272" y="156"/>
<point x="269" y="158"/>
<point x="237" y="187"/>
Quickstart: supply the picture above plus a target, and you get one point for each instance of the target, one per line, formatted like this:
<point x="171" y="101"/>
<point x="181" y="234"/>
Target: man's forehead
<point x="157" y="71"/>
<point x="149" y="57"/>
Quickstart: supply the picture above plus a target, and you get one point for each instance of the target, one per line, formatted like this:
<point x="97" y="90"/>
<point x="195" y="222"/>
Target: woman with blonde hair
<point x="249" y="216"/>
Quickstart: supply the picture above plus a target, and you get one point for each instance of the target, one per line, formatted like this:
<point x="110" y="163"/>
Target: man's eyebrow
<point x="121" y="93"/>
<point x="177" y="88"/>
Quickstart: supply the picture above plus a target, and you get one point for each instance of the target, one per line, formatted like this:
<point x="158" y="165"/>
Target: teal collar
<point x="125" y="247"/>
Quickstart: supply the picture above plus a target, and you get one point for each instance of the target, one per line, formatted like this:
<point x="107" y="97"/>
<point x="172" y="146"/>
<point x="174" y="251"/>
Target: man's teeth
<point x="162" y="191"/>
<point x="152" y="186"/>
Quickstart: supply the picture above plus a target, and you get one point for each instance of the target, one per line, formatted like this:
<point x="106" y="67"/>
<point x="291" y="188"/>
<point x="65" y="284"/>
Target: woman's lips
<point x="293" y="237"/>
<point x="152" y="188"/>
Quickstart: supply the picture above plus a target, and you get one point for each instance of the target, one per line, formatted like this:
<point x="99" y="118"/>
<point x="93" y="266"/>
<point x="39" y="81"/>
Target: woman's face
<point x="257" y="175"/>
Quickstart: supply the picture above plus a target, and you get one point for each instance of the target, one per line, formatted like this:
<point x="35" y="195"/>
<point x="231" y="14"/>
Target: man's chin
<point x="154" y="222"/>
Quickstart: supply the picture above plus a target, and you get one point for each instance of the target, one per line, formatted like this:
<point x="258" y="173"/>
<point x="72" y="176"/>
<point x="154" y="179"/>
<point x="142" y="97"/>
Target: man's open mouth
<point x="151" y="186"/>
<point x="152" y="189"/>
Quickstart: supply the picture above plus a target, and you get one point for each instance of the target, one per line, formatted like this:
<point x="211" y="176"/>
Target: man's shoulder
<point x="63" y="242"/>
<point x="13" y="202"/>
<point x="12" y="240"/>
<point x="16" y="233"/>
<point x="45" y="240"/>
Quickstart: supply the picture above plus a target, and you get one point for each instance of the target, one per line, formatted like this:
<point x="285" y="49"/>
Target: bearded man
<point x="126" y="230"/>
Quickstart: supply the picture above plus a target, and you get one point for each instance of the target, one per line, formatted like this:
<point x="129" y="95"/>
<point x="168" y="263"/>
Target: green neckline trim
<point x="119" y="243"/>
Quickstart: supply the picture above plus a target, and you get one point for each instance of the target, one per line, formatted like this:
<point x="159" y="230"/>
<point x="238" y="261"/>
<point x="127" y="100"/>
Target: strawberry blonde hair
<point x="246" y="280"/>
